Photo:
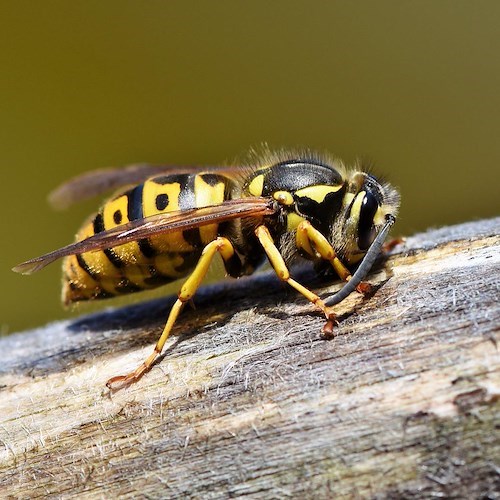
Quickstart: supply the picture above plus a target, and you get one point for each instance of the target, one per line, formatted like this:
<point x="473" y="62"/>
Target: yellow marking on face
<point x="379" y="218"/>
<point x="256" y="187"/>
<point x="356" y="206"/>
<point x="348" y="197"/>
<point x="293" y="220"/>
<point x="205" y="195"/>
<point x="318" y="193"/>
<point x="283" y="197"/>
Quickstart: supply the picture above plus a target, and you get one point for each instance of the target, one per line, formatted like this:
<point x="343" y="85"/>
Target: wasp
<point x="170" y="222"/>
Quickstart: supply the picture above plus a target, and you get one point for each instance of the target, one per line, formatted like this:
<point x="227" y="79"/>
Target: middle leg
<point x="278" y="263"/>
<point x="309" y="237"/>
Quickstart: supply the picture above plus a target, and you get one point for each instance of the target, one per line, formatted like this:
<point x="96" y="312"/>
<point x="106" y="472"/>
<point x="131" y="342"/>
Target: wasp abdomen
<point x="151" y="262"/>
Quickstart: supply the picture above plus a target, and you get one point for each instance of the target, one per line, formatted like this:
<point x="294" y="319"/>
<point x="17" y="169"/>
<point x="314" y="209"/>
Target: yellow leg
<point x="281" y="270"/>
<point x="186" y="293"/>
<point x="307" y="234"/>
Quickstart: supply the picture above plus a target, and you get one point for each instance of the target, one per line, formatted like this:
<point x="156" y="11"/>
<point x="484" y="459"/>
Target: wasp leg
<point x="307" y="234"/>
<point x="220" y="245"/>
<point x="276" y="260"/>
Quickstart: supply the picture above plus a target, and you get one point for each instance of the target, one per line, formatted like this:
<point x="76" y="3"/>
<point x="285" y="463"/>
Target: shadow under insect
<point x="137" y="324"/>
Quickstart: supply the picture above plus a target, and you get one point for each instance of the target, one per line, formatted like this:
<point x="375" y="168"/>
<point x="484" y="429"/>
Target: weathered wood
<point x="250" y="401"/>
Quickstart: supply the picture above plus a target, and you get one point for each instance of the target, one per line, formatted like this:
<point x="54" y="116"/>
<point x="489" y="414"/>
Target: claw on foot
<point x="119" y="382"/>
<point x="364" y="288"/>
<point x="327" y="332"/>
<point x="122" y="381"/>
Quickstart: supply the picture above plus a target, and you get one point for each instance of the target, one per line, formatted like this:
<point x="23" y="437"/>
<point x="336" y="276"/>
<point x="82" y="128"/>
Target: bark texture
<point x="249" y="400"/>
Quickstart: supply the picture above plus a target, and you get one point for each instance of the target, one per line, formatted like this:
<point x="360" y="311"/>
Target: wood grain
<point x="249" y="400"/>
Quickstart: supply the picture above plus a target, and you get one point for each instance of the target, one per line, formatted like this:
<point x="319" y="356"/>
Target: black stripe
<point x="98" y="223"/>
<point x="113" y="258"/>
<point x="72" y="285"/>
<point x="108" y="252"/>
<point x="146" y="248"/>
<point x="134" y="212"/>
<point x="293" y="175"/>
<point x="134" y="203"/>
<point x="234" y="266"/>
<point x="86" y="267"/>
<point x="171" y="179"/>
<point x="126" y="286"/>
<point x="156" y="278"/>
<point x="193" y="237"/>
<point x="189" y="261"/>
<point x="211" y="179"/>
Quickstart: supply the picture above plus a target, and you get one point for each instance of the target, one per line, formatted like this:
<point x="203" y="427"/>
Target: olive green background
<point x="413" y="87"/>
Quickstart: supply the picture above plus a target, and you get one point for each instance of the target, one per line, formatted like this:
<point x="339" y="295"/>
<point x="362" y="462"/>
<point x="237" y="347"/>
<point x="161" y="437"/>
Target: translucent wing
<point x="99" y="181"/>
<point x="155" y="224"/>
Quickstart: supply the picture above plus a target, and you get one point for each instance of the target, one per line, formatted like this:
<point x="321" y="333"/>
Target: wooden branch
<point x="251" y="401"/>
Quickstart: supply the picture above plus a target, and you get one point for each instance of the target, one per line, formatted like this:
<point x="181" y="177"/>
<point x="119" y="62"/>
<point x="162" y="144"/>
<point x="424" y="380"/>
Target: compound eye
<point x="366" y="227"/>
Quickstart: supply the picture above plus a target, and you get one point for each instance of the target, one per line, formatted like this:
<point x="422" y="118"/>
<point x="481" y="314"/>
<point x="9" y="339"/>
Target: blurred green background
<point x="410" y="86"/>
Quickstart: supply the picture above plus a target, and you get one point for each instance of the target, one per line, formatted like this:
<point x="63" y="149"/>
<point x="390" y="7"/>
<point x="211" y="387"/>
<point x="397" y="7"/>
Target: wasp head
<point x="366" y="204"/>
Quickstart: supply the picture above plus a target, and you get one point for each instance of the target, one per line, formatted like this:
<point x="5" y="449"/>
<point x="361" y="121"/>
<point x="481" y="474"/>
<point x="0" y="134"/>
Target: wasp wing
<point x="155" y="224"/>
<point x="99" y="181"/>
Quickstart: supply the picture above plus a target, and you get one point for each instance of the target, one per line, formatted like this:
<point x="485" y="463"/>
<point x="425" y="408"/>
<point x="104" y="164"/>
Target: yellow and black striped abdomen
<point x="150" y="262"/>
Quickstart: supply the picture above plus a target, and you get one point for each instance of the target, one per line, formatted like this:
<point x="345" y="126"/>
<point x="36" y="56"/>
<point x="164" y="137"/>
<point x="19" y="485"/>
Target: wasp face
<point x="365" y="206"/>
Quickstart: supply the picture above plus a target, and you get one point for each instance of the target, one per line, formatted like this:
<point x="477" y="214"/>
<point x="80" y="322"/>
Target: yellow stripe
<point x="118" y="205"/>
<point x="283" y="197"/>
<point x="152" y="190"/>
<point x="348" y="197"/>
<point x="379" y="218"/>
<point x="128" y="252"/>
<point x="97" y="261"/>
<point x="171" y="242"/>
<point x="318" y="193"/>
<point x="166" y="265"/>
<point x="293" y="220"/>
<point x="206" y="194"/>
<point x="256" y="187"/>
<point x="356" y="206"/>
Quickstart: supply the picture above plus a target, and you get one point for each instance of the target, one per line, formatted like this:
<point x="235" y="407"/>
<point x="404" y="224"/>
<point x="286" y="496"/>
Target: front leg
<point x="311" y="241"/>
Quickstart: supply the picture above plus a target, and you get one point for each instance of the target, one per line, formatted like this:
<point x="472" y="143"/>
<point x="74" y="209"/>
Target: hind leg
<point x="220" y="245"/>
